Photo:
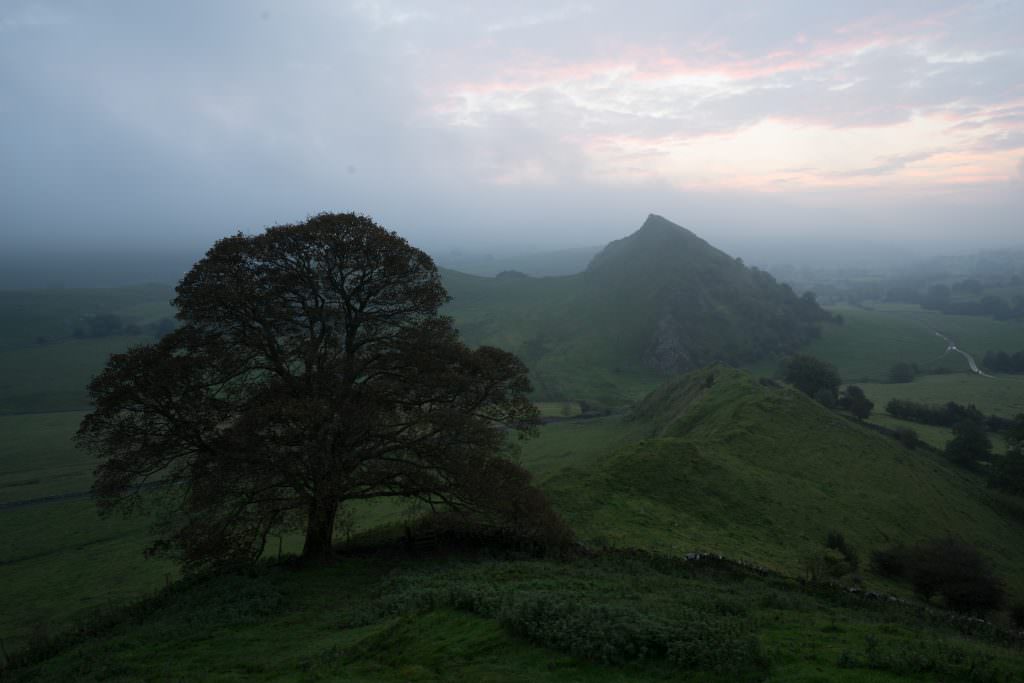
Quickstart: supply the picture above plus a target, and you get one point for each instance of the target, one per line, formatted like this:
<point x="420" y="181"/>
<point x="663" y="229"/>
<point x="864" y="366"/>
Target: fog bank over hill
<point x="469" y="124"/>
<point x="59" y="266"/>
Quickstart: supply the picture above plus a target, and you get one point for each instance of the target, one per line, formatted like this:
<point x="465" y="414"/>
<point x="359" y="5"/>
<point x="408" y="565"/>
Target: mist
<point x="136" y="129"/>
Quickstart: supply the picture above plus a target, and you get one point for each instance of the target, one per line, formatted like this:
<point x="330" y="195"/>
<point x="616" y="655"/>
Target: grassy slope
<point x="534" y="318"/>
<point x="454" y="620"/>
<point x="59" y="561"/>
<point x="763" y="473"/>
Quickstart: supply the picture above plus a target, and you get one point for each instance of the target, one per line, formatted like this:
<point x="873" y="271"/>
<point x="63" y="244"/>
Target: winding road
<point x="970" y="359"/>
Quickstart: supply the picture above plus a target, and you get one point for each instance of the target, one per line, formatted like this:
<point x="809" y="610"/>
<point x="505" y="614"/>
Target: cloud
<point x="156" y="121"/>
<point x="30" y="15"/>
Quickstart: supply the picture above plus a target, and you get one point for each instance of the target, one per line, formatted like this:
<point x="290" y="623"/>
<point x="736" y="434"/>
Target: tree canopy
<point x="970" y="444"/>
<point x="811" y="376"/>
<point x="856" y="402"/>
<point x="311" y="368"/>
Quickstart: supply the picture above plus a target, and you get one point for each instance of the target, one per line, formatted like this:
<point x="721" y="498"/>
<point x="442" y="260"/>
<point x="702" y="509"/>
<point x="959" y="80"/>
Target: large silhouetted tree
<point x="310" y="368"/>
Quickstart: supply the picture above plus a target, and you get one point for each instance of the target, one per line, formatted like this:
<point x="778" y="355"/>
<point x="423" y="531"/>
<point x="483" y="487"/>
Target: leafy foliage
<point x="811" y="375"/>
<point x="956" y="571"/>
<point x="945" y="415"/>
<point x="854" y="400"/>
<point x="970" y="444"/>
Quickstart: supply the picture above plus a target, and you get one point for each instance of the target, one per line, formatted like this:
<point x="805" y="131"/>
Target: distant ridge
<point x="658" y="302"/>
<point x="696" y="303"/>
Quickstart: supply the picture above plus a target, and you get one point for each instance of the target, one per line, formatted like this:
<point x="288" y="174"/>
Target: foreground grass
<point x="446" y="618"/>
<point x="60" y="561"/>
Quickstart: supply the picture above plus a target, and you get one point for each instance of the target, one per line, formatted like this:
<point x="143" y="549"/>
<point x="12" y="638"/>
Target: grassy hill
<point x="713" y="461"/>
<point x="720" y="462"/>
<point x="444" y="617"/>
<point x="657" y="302"/>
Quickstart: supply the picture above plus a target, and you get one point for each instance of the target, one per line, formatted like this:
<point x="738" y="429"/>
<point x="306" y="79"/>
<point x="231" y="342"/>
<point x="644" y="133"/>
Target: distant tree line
<point x="938" y="297"/>
<point x="1001" y="361"/>
<point x="945" y="415"/>
<point x="110" y="324"/>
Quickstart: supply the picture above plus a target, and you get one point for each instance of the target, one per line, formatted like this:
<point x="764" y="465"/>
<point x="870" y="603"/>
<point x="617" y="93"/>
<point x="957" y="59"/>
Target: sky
<point x="531" y="124"/>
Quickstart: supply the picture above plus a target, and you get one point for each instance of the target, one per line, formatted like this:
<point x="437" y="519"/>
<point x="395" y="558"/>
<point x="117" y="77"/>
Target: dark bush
<point x="969" y="444"/>
<point x="908" y="437"/>
<point x="836" y="541"/>
<point x="890" y="562"/>
<point x="854" y="400"/>
<point x="945" y="415"/>
<point x="825" y="397"/>
<point x="901" y="373"/>
<point x="958" y="572"/>
<point x="811" y="375"/>
<point x="1017" y="615"/>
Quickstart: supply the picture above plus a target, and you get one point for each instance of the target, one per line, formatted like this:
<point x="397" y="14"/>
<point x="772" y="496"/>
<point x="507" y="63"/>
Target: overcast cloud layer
<point x="500" y="123"/>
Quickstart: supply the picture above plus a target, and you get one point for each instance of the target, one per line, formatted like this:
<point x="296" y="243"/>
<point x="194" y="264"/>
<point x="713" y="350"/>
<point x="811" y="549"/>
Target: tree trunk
<point x="319" y="544"/>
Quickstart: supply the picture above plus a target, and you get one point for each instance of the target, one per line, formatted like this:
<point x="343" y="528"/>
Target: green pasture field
<point x="26" y="315"/>
<point x="52" y="375"/>
<point x="1002" y="395"/>
<point x="876" y="337"/>
<point x="972" y="333"/>
<point x="50" y="378"/>
<point x="558" y="408"/>
<point x="38" y="458"/>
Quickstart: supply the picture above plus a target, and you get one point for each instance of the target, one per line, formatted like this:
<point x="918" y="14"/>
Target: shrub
<point x="1017" y="615"/>
<point x="908" y="437"/>
<point x="890" y="562"/>
<point x="825" y="397"/>
<point x="836" y="541"/>
<point x="811" y="375"/>
<point x="958" y="572"/>
<point x="854" y="400"/>
<point x="618" y="634"/>
<point x="969" y="444"/>
<point x="902" y="373"/>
